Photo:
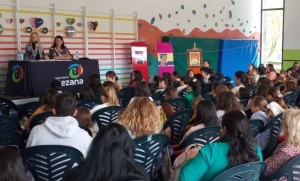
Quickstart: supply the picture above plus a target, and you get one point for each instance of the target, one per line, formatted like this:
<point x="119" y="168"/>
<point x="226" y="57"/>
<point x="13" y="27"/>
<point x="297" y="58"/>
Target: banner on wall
<point x="139" y="58"/>
<point x="165" y="58"/>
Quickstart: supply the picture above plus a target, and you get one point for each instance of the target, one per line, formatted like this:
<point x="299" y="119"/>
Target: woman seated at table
<point x="58" y="50"/>
<point x="34" y="49"/>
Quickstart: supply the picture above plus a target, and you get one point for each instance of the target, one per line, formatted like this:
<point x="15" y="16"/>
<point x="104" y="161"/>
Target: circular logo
<point x="75" y="70"/>
<point x="17" y="73"/>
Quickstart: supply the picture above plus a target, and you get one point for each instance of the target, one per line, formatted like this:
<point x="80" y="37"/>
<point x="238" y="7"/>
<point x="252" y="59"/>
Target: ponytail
<point x="195" y="84"/>
<point x="110" y="95"/>
<point x="277" y="97"/>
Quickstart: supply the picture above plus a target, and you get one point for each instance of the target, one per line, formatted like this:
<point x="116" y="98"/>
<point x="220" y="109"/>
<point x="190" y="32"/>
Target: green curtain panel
<point x="210" y="48"/>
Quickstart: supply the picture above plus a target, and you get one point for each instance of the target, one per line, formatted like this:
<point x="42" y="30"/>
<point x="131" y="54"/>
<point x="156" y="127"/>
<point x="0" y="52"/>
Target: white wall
<point x="291" y="24"/>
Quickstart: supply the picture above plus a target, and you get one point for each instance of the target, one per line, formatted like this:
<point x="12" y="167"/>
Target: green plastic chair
<point x="50" y="162"/>
<point x="183" y="92"/>
<point x="208" y="97"/>
<point x="7" y="122"/>
<point x="256" y="125"/>
<point x="7" y="105"/>
<point x="295" y="98"/>
<point x="106" y="115"/>
<point x="128" y="91"/>
<point x="89" y="103"/>
<point x="244" y="102"/>
<point x="124" y="100"/>
<point x="29" y="108"/>
<point x="40" y="118"/>
<point x="156" y="96"/>
<point x="288" y="99"/>
<point x="147" y="150"/>
<point x="244" y="172"/>
<point x="201" y="137"/>
<point x="177" y="123"/>
<point x="291" y="169"/>
<point x="274" y="126"/>
<point x="10" y="137"/>
<point x="179" y="103"/>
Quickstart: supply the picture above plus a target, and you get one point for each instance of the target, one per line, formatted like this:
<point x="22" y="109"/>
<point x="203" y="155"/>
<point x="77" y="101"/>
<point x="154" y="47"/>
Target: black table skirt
<point x="32" y="78"/>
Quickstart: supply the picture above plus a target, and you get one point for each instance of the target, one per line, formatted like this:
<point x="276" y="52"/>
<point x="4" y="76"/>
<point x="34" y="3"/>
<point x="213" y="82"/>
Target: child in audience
<point x="110" y="157"/>
<point x="217" y="92"/>
<point x="226" y="101"/>
<point x="240" y="80"/>
<point x="183" y="82"/>
<point x="243" y="94"/>
<point x="135" y="77"/>
<point x="201" y="79"/>
<point x="261" y="91"/>
<point x="194" y="90"/>
<point x="56" y="84"/>
<point x="271" y="73"/>
<point x="84" y="119"/>
<point x="11" y="165"/>
<point x="190" y="73"/>
<point x="236" y="147"/>
<point x="141" y="90"/>
<point x="206" y="116"/>
<point x="290" y="148"/>
<point x="276" y="103"/>
<point x="204" y="73"/>
<point x="171" y="93"/>
<point x="163" y="83"/>
<point x="141" y="118"/>
<point x="48" y="103"/>
<point x="111" y="76"/>
<point x="289" y="87"/>
<point x="229" y="86"/>
<point x="85" y="92"/>
<point x="176" y="79"/>
<point x="95" y="84"/>
<point x="258" y="108"/>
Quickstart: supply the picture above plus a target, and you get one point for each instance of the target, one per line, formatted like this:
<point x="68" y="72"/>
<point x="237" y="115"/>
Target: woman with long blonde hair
<point x="141" y="118"/>
<point x="34" y="49"/>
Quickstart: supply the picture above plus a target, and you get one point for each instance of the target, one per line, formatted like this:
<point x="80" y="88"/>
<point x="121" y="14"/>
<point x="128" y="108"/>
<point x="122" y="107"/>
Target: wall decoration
<point x="169" y="15"/>
<point x="182" y="6"/>
<point x="223" y="8"/>
<point x="36" y="22"/>
<point x="226" y="25"/>
<point x="160" y="16"/>
<point x="188" y="21"/>
<point x="183" y="31"/>
<point x="233" y="2"/>
<point x="250" y="32"/>
<point x="22" y="20"/>
<point x="239" y="19"/>
<point x="176" y="12"/>
<point x="28" y="29"/>
<point x="216" y="24"/>
<point x="247" y="21"/>
<point x="204" y="25"/>
<point x="59" y="24"/>
<point x="71" y="31"/>
<point x="45" y="30"/>
<point x="194" y="12"/>
<point x="204" y="6"/>
<point x="254" y="26"/>
<point x="241" y="24"/>
<point x="9" y="20"/>
<point x="93" y="25"/>
<point x="221" y="12"/>
<point x="214" y="15"/>
<point x="1" y="29"/>
<point x="177" y="24"/>
<point x="206" y="15"/>
<point x="140" y="25"/>
<point x="230" y="14"/>
<point x="71" y="21"/>
<point x="244" y="30"/>
<point x="152" y="20"/>
<point x="150" y="29"/>
<point x="79" y="24"/>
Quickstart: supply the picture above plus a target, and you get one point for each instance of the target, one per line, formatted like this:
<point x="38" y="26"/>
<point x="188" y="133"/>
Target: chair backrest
<point x="87" y="130"/>
<point x="29" y="108"/>
<point x="256" y="125"/>
<point x="208" y="97"/>
<point x="288" y="98"/>
<point x="275" y="127"/>
<point x="7" y="105"/>
<point x="96" y="93"/>
<point x="128" y="91"/>
<point x="177" y="124"/>
<point x="124" y="100"/>
<point x="148" y="148"/>
<point x="244" y="102"/>
<point x="7" y="122"/>
<point x="201" y="137"/>
<point x="50" y="162"/>
<point x="295" y="97"/>
<point x="106" y="115"/>
<point x="183" y="92"/>
<point x="227" y="79"/>
<point x="89" y="103"/>
<point x="40" y="118"/>
<point x="252" y="91"/>
<point x="206" y="89"/>
<point x="156" y="96"/>
<point x="179" y="103"/>
<point x="244" y="172"/>
<point x="11" y="137"/>
<point x="291" y="169"/>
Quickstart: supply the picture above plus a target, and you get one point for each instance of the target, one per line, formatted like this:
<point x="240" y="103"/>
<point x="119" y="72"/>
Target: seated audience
<point x="194" y="90"/>
<point x="109" y="84"/>
<point x="183" y="82"/>
<point x="204" y="73"/>
<point x="84" y="119"/>
<point x="290" y="148"/>
<point x="201" y="79"/>
<point x="206" y="63"/>
<point x="261" y="91"/>
<point x="226" y="101"/>
<point x="135" y="77"/>
<point x="85" y="93"/>
<point x="48" y="103"/>
<point x="171" y="93"/>
<point x="271" y="73"/>
<point x="236" y="147"/>
<point x="95" y="84"/>
<point x="229" y="86"/>
<point x="240" y="79"/>
<point x="243" y="94"/>
<point x="163" y="83"/>
<point x="111" y="76"/>
<point x="61" y="129"/>
<point x="206" y="116"/>
<point x="276" y="103"/>
<point x="141" y="90"/>
<point x="11" y="165"/>
<point x="141" y="118"/>
<point x="110" y="158"/>
<point x="56" y="84"/>
<point x="262" y="73"/>
<point x="190" y="73"/>
<point x="294" y="68"/>
<point x="176" y="79"/>
<point x="289" y="87"/>
<point x="266" y="81"/>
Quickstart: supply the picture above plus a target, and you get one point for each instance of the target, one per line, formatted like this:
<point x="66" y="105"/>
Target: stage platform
<point x="19" y="100"/>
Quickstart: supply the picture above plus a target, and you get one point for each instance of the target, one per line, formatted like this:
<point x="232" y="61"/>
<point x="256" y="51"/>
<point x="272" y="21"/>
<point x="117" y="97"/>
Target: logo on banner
<point x="75" y="70"/>
<point x="17" y="73"/>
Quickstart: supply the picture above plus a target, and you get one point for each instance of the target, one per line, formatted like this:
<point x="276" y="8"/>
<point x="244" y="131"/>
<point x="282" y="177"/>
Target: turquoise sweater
<point x="211" y="161"/>
<point x="190" y="97"/>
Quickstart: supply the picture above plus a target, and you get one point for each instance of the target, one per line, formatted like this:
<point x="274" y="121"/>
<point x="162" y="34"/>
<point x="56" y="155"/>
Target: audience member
<point x="276" y="103"/>
<point x="294" y="68"/>
<point x="289" y="87"/>
<point x="262" y="73"/>
<point x="135" y="77"/>
<point x="183" y="82"/>
<point x="194" y="90"/>
<point x="229" y="86"/>
<point x="61" y="129"/>
<point x="261" y="91"/>
<point x="226" y="101"/>
<point x="56" y="84"/>
<point x="204" y="73"/>
<point x="176" y="79"/>
<point x="190" y="73"/>
<point x="84" y="119"/>
<point x="206" y="63"/>
<point x="95" y="84"/>
<point x="271" y="73"/>
<point x="111" y="76"/>
<point x="141" y="90"/>
<point x="171" y="93"/>
<point x="201" y="79"/>
<point x="85" y="92"/>
<point x="243" y="94"/>
<point x="240" y="79"/>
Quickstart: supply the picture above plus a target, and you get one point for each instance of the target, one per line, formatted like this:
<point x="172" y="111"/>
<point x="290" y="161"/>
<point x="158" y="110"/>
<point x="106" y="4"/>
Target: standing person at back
<point x="206" y="63"/>
<point x="61" y="129"/>
<point x="294" y="68"/>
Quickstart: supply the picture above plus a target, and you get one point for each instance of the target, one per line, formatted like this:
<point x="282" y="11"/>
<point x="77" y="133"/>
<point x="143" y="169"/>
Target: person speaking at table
<point x="34" y="49"/>
<point x="59" y="51"/>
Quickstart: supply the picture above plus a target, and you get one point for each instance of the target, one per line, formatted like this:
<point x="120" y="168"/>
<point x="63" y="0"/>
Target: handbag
<point x="190" y="152"/>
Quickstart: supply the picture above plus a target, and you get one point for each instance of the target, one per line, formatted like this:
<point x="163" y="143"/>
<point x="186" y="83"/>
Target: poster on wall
<point x="194" y="58"/>
<point x="139" y="55"/>
<point x="165" y="58"/>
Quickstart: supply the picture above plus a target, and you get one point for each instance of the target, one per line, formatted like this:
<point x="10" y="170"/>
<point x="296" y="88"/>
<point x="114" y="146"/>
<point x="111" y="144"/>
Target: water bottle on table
<point x="76" y="56"/>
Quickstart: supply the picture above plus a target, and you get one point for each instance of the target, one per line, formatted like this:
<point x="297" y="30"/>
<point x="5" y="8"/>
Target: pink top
<point x="133" y="84"/>
<point x="279" y="159"/>
<point x="271" y="75"/>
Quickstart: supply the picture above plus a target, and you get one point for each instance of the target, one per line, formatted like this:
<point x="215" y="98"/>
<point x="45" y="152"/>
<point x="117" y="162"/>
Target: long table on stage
<point x="32" y="78"/>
